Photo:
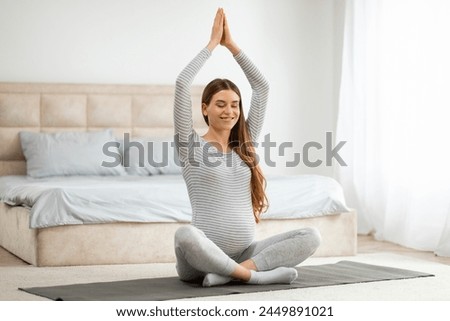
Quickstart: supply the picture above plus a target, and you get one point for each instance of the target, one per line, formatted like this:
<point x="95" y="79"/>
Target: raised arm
<point x="183" y="105"/>
<point x="260" y="86"/>
<point x="260" y="95"/>
<point x="182" y="111"/>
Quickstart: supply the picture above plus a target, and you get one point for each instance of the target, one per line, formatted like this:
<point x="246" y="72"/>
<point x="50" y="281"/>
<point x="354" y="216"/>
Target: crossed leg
<point x="283" y="250"/>
<point x="198" y="256"/>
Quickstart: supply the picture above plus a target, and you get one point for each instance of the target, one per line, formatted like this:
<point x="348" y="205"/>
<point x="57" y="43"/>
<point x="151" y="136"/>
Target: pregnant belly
<point x="231" y="238"/>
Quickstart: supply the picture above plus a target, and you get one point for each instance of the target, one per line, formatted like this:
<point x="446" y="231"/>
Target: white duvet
<point x="162" y="198"/>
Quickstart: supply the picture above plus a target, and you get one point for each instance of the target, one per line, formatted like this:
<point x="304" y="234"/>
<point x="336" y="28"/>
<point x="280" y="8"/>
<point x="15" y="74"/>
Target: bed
<point x="142" y="111"/>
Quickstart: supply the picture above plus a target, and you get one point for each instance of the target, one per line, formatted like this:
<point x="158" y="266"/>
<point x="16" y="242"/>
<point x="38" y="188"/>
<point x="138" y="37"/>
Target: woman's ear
<point x="204" y="112"/>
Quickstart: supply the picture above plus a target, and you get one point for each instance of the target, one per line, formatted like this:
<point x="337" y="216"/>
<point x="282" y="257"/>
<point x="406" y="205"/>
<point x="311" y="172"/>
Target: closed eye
<point x="222" y="103"/>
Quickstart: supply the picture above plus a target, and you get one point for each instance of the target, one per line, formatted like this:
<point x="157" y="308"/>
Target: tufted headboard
<point x="141" y="110"/>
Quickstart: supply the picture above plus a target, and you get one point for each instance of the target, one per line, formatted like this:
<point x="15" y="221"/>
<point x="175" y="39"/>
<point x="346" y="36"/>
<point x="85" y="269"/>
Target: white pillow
<point x="71" y="153"/>
<point x="150" y="156"/>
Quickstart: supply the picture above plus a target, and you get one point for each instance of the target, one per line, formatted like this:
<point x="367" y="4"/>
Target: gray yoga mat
<point x="157" y="289"/>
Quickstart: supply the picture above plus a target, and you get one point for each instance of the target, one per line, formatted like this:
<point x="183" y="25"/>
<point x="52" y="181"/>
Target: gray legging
<point x="197" y="255"/>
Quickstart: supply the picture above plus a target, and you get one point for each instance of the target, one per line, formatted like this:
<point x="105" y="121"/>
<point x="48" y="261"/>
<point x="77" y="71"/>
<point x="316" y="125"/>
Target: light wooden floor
<point x="366" y="244"/>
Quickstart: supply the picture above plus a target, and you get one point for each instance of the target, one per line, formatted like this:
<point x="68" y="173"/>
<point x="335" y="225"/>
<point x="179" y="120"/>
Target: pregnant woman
<point x="225" y="184"/>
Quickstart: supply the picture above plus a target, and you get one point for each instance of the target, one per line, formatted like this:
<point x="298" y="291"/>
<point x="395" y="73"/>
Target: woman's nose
<point x="228" y="110"/>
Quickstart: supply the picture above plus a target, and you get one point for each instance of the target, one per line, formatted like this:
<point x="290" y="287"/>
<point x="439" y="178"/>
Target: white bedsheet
<point x="162" y="198"/>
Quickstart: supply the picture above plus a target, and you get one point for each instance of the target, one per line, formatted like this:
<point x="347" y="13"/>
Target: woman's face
<point x="223" y="110"/>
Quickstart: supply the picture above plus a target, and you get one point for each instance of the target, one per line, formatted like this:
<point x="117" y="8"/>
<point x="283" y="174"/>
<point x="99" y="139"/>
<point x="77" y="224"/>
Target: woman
<point x="225" y="183"/>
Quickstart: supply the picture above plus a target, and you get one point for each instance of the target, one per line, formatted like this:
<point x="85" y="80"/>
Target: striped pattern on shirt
<point x="218" y="183"/>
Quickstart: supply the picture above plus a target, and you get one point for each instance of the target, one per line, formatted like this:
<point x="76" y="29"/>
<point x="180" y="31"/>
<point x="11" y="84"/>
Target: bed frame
<point x="142" y="111"/>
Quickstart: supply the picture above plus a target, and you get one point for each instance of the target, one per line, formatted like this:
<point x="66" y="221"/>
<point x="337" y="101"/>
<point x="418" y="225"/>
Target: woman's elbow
<point x="181" y="82"/>
<point x="264" y="87"/>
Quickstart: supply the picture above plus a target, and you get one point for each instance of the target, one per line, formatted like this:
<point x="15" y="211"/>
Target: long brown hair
<point x="240" y="141"/>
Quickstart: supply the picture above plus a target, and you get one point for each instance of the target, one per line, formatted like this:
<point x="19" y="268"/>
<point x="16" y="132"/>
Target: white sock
<point x="212" y="279"/>
<point x="279" y="275"/>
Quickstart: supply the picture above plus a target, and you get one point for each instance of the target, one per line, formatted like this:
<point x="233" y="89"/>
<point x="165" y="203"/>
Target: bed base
<point x="132" y="243"/>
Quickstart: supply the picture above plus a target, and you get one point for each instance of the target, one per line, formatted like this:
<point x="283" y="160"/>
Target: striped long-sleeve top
<point x="218" y="183"/>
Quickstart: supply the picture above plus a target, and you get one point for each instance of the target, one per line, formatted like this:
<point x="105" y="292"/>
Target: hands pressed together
<point x="221" y="34"/>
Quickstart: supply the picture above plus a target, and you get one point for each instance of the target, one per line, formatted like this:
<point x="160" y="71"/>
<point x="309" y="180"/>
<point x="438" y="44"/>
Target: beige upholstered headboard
<point x="141" y="110"/>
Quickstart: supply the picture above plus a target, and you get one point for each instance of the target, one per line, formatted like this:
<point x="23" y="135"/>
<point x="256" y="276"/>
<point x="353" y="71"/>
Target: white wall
<point x="295" y="43"/>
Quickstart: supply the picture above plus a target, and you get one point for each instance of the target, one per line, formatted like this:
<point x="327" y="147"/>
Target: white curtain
<point x="394" y="113"/>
